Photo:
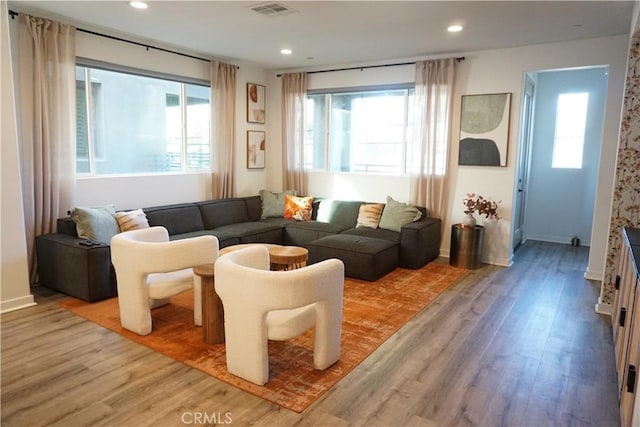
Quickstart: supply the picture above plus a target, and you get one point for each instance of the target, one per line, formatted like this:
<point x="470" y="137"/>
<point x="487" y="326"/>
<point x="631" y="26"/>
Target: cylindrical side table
<point x="212" y="308"/>
<point x="466" y="246"/>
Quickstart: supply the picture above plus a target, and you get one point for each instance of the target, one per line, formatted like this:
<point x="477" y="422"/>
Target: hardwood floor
<point x="518" y="346"/>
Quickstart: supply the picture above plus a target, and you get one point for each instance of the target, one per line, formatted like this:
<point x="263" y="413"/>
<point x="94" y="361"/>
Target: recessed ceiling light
<point x="454" y="28"/>
<point x="286" y="51"/>
<point x="138" y="4"/>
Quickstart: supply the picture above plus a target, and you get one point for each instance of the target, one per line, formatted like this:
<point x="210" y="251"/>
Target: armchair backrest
<point x="243" y="277"/>
<point x="149" y="250"/>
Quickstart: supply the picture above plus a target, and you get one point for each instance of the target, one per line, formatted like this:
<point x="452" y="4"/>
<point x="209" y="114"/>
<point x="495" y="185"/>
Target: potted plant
<point x="480" y="205"/>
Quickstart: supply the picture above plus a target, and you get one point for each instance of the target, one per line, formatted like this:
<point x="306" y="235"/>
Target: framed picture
<point x="255" y="149"/>
<point x="255" y="103"/>
<point x="484" y="129"/>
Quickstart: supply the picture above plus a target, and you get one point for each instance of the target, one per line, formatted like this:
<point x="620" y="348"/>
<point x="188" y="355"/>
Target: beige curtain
<point x="430" y="145"/>
<point x="294" y="94"/>
<point x="223" y="129"/>
<point x="47" y="105"/>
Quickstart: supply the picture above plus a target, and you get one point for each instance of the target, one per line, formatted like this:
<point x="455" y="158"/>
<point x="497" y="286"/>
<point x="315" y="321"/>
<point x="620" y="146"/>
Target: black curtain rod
<point x="13" y="14"/>
<point x="460" y="58"/>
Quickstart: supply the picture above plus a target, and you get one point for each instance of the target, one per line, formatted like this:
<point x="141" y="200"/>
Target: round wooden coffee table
<point x="281" y="257"/>
<point x="287" y="257"/>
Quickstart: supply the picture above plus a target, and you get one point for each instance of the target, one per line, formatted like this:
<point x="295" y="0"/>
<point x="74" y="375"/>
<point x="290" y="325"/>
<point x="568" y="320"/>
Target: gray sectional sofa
<point x="86" y="272"/>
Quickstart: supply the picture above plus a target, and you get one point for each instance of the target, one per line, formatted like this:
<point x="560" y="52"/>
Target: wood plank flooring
<point x="518" y="346"/>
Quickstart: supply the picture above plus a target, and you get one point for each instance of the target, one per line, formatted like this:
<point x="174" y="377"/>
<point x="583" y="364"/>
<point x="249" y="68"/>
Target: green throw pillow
<point x="396" y="214"/>
<point x="273" y="203"/>
<point x="98" y="224"/>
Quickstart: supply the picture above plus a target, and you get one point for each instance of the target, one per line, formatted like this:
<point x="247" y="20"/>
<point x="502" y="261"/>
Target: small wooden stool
<point x="287" y="257"/>
<point x="212" y="309"/>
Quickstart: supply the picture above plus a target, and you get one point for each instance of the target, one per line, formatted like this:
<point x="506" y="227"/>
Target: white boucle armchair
<point x="262" y="305"/>
<point x="150" y="269"/>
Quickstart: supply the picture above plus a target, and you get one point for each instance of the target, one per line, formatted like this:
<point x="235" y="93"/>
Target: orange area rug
<point x="373" y="312"/>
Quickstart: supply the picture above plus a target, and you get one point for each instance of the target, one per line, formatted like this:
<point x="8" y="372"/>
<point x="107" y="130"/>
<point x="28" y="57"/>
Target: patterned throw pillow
<point x="369" y="215"/>
<point x="132" y="220"/>
<point x="298" y="208"/>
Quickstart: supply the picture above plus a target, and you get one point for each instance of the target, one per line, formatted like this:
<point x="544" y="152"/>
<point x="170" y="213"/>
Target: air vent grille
<point x="272" y="9"/>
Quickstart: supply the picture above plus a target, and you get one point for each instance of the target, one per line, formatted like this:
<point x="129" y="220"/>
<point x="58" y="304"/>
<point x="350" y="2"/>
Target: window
<point x="130" y="124"/>
<point x="571" y="121"/>
<point x="363" y="132"/>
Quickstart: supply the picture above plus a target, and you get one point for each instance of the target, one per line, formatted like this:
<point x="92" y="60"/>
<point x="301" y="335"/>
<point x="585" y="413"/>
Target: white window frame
<point x="329" y="93"/>
<point x="90" y="64"/>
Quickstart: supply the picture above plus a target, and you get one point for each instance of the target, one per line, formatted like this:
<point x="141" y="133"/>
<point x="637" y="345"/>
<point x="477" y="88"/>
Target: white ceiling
<point x="329" y="33"/>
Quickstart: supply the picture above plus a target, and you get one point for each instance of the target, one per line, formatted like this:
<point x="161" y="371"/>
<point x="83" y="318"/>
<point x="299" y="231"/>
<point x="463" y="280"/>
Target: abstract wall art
<point x="484" y="129"/>
<point x="255" y="149"/>
<point x="255" y="103"/>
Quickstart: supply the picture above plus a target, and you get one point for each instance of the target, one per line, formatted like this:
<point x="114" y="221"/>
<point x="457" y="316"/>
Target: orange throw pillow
<point x="298" y="208"/>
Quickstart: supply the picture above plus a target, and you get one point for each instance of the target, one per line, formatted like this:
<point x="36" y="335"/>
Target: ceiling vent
<point x="272" y="9"/>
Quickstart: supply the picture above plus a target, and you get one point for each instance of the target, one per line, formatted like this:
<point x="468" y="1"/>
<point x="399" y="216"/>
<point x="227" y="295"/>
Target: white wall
<point x="14" y="278"/>
<point x="492" y="71"/>
<point x="567" y="195"/>
<point x="503" y="71"/>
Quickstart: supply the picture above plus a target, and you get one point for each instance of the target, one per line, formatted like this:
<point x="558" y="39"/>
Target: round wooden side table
<point x="212" y="308"/>
<point x="287" y="257"/>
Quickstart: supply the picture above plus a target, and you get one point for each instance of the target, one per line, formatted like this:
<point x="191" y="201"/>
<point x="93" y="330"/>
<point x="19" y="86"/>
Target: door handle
<point x="631" y="379"/>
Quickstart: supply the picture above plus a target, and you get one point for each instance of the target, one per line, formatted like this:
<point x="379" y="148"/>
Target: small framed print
<point x="255" y="103"/>
<point x="255" y="149"/>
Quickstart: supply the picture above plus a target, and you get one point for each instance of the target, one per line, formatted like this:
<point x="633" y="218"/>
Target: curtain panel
<point x="47" y="124"/>
<point x="432" y="129"/>
<point x="294" y="95"/>
<point x="223" y="129"/>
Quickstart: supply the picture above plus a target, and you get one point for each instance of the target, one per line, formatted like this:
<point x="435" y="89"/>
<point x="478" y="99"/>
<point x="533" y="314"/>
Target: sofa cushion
<point x="300" y="233"/>
<point x="224" y="238"/>
<point x="218" y="213"/>
<point x="254" y="207"/>
<point x="369" y="215"/>
<point x="273" y="203"/>
<point x="298" y="208"/>
<point x="396" y="214"/>
<point x="177" y="219"/>
<point x="132" y="220"/>
<point x="340" y="212"/>
<point x="257" y="231"/>
<point x="97" y="223"/>
<point x="376" y="233"/>
<point x="363" y="257"/>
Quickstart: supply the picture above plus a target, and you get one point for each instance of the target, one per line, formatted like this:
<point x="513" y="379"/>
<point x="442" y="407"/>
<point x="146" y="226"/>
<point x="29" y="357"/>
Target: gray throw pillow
<point x="98" y="224"/>
<point x="273" y="203"/>
<point x="396" y="214"/>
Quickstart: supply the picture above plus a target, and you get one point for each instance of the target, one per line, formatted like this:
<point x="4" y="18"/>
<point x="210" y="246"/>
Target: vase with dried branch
<point x="476" y="203"/>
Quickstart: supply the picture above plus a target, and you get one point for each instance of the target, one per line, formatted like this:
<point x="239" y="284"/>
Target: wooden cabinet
<point x="626" y="326"/>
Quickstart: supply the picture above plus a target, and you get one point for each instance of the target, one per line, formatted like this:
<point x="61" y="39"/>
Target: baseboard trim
<point x="603" y="308"/>
<point x="594" y="275"/>
<point x="17" y="304"/>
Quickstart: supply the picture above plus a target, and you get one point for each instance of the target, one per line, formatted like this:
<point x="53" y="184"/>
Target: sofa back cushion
<point x="216" y="213"/>
<point x="254" y="207"/>
<point x="340" y="212"/>
<point x="67" y="226"/>
<point x="177" y="219"/>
